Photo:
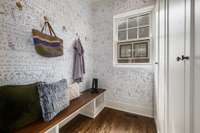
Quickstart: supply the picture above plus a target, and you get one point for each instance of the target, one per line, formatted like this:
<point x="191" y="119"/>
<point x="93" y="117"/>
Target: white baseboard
<point x="130" y="108"/>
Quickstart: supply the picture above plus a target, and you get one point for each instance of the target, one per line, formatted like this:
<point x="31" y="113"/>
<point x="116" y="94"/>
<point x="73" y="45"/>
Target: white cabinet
<point x="173" y="96"/>
<point x="94" y="107"/>
<point x="91" y="109"/>
<point x="176" y="69"/>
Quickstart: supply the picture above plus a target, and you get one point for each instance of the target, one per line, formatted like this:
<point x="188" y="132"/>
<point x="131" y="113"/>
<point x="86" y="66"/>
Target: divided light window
<point x="133" y="34"/>
<point x="133" y="52"/>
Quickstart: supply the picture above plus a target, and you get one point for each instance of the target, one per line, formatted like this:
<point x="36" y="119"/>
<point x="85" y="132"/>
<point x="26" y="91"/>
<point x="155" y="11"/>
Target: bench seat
<point x="75" y="105"/>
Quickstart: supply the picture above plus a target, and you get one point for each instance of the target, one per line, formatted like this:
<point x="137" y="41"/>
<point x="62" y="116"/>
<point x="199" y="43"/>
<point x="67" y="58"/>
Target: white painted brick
<point x="19" y="62"/>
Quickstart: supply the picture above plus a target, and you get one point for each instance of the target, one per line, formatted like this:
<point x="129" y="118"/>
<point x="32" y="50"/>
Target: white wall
<point x="19" y="62"/>
<point x="129" y="89"/>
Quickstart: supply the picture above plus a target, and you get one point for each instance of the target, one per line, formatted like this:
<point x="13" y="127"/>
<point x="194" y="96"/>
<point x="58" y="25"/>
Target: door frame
<point x="161" y="116"/>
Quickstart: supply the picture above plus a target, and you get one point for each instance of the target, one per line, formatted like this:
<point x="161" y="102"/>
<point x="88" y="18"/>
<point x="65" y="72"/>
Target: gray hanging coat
<point x="79" y="64"/>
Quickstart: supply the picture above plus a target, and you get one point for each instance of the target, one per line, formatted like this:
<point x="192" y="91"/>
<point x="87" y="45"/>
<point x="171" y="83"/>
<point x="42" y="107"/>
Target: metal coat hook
<point x="19" y="4"/>
<point x="64" y="28"/>
<point x="86" y="38"/>
<point x="46" y="19"/>
<point x="77" y="35"/>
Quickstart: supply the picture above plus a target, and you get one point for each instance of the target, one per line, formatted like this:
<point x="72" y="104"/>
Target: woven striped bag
<point x="47" y="45"/>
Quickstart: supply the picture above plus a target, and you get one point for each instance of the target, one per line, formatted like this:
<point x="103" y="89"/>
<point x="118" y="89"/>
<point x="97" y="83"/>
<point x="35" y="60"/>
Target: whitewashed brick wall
<point x="130" y="88"/>
<point x="19" y="62"/>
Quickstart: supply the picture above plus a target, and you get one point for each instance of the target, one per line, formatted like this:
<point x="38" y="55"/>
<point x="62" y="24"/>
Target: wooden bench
<point x="88" y="104"/>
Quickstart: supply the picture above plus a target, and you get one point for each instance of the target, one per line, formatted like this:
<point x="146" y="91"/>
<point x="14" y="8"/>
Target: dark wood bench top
<point x="41" y="126"/>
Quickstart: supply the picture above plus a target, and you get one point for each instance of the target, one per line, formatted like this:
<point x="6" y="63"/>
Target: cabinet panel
<point x="176" y="92"/>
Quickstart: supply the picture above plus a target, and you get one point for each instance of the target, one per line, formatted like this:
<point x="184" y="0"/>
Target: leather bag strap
<point x="47" y="25"/>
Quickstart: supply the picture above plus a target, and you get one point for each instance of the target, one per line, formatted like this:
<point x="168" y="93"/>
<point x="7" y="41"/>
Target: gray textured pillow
<point x="53" y="98"/>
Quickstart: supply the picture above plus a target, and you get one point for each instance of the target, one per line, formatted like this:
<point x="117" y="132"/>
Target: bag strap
<point x="51" y="31"/>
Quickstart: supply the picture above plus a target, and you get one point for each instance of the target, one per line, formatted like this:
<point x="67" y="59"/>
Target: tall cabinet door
<point x="177" y="66"/>
<point x="196" y="106"/>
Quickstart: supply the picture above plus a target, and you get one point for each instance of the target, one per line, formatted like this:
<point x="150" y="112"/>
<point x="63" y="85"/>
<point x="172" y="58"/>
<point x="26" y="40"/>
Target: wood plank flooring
<point x="110" y="121"/>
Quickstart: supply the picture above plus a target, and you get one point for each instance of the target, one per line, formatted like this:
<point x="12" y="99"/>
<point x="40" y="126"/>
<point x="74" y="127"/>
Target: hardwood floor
<point x="110" y="121"/>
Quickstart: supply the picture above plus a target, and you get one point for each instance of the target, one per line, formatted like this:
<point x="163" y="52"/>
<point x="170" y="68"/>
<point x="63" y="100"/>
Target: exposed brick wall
<point x="130" y="87"/>
<point x="19" y="62"/>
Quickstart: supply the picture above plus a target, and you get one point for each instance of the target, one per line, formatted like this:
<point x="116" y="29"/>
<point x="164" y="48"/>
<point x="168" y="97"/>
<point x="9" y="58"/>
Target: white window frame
<point x="133" y="13"/>
<point x="132" y="45"/>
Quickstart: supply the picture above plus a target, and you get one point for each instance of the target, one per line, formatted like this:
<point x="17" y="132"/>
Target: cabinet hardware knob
<point x="178" y="58"/>
<point x="185" y="57"/>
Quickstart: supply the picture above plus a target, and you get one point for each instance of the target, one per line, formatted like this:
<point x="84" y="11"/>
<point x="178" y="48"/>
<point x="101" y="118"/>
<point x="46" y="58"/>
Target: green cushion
<point x="19" y="106"/>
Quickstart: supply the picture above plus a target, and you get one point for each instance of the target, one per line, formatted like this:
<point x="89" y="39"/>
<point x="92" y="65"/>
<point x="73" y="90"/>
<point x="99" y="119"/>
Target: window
<point x="132" y="38"/>
<point x="133" y="52"/>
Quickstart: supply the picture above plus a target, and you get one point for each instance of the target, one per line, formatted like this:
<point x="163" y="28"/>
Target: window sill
<point x="132" y="65"/>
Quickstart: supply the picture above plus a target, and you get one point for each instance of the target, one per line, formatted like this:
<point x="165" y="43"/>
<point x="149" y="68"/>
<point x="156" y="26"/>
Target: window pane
<point x="142" y="60"/>
<point x="134" y="60"/>
<point x="141" y="50"/>
<point x="122" y="35"/>
<point x="122" y="25"/>
<point x="125" y="51"/>
<point x="144" y="20"/>
<point x="124" y="60"/>
<point x="132" y="33"/>
<point x="143" y="32"/>
<point x="132" y="22"/>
